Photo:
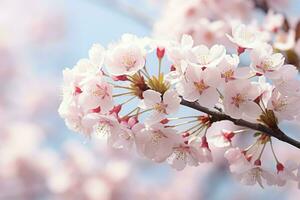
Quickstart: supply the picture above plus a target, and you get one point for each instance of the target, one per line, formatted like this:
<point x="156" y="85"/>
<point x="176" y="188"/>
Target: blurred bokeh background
<point x="40" y="159"/>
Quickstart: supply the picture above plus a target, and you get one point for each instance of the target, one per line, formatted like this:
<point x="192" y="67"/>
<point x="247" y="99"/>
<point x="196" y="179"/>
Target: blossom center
<point x="266" y="65"/>
<point x="203" y="59"/>
<point x="228" y="75"/>
<point x="238" y="100"/>
<point x="161" y="107"/>
<point x="180" y="155"/>
<point x="157" y="136"/>
<point x="201" y="86"/>
<point x="247" y="36"/>
<point x="129" y="61"/>
<point x="100" y="91"/>
<point x="103" y="128"/>
<point x="279" y="105"/>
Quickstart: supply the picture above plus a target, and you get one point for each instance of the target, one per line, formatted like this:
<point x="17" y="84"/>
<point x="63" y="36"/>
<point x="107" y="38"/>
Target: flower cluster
<point x="207" y="21"/>
<point x="114" y="93"/>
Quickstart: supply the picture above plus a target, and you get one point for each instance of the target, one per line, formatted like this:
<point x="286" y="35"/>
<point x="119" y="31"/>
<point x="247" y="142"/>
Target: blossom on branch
<point x="115" y="93"/>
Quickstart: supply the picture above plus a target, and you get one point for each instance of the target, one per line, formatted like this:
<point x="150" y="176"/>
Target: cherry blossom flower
<point x="183" y="155"/>
<point x="256" y="174"/>
<point x="266" y="62"/>
<point x="178" y="51"/>
<point x="284" y="107"/>
<point x="97" y="55"/>
<point x="73" y="117"/>
<point x="200" y="85"/>
<point x="208" y="32"/>
<point x="265" y="90"/>
<point x="126" y="57"/>
<point x="181" y="53"/>
<point x="286" y="172"/>
<point x="206" y="57"/>
<point x="96" y="93"/>
<point x="126" y="138"/>
<point x="161" y="105"/>
<point x="287" y="82"/>
<point x="157" y="142"/>
<point x="223" y="139"/>
<point x="237" y="161"/>
<point x="103" y="126"/>
<point x="205" y="155"/>
<point x="238" y="99"/>
<point x="229" y="68"/>
<point x="220" y="134"/>
<point x="245" y="37"/>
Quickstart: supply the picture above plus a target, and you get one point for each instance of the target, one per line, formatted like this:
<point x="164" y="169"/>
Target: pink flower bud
<point x="257" y="162"/>
<point x="120" y="78"/>
<point x="164" y="121"/>
<point x="116" y="109"/>
<point x="160" y="52"/>
<point x="229" y="135"/>
<point x="96" y="110"/>
<point x="204" y="143"/>
<point x="172" y="68"/>
<point x="240" y="50"/>
<point x="279" y="167"/>
<point x="77" y="91"/>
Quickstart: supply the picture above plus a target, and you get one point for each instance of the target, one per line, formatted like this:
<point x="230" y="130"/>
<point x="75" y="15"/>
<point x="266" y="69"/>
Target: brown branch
<point x="218" y="116"/>
<point x="261" y="4"/>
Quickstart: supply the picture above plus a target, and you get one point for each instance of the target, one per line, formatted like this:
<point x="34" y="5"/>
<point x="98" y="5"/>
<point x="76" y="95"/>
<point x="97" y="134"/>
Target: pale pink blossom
<point x="239" y="99"/>
<point x="85" y="67"/>
<point x="96" y="92"/>
<point x="284" y="107"/>
<point x="237" y="161"/>
<point x="287" y="82"/>
<point x="223" y="139"/>
<point x="157" y="142"/>
<point x="209" y="57"/>
<point x="245" y="37"/>
<point x="73" y="116"/>
<point x="126" y="57"/>
<point x="181" y="53"/>
<point x="285" y="40"/>
<point x="183" y="155"/>
<point x="208" y="32"/>
<point x="205" y="155"/>
<point x="97" y="55"/>
<point x="103" y="126"/>
<point x="265" y="90"/>
<point x="204" y="151"/>
<point x="126" y="137"/>
<point x="220" y="134"/>
<point x="162" y="105"/>
<point x="200" y="85"/>
<point x="229" y="68"/>
<point x="264" y="61"/>
<point x="256" y="174"/>
<point x="286" y="172"/>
